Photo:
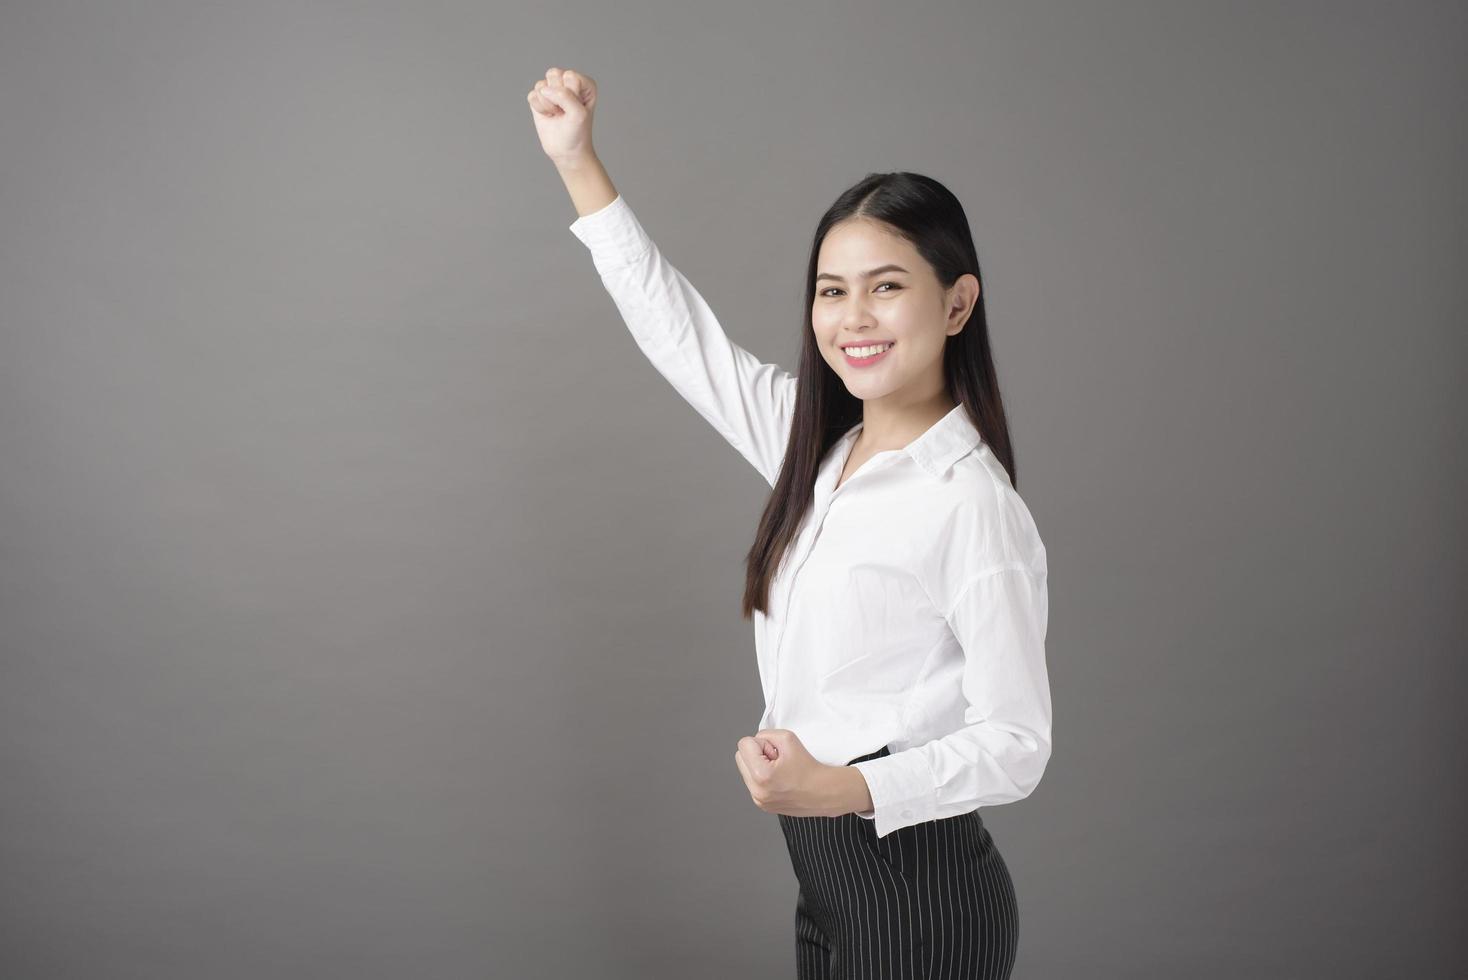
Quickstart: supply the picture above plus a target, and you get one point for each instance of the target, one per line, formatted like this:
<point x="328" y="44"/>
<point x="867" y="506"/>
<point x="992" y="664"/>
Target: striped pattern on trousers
<point x="930" y="901"/>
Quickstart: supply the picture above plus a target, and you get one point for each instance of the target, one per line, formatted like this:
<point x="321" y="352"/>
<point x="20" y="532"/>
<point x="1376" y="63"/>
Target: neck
<point x="886" y="425"/>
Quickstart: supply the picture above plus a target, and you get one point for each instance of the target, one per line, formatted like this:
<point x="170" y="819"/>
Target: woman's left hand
<point x="782" y="777"/>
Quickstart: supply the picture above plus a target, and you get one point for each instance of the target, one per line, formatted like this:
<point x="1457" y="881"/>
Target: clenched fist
<point x="782" y="777"/>
<point x="561" y="104"/>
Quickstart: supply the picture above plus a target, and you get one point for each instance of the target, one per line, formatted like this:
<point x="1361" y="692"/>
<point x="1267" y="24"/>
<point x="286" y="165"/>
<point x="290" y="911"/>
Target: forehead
<point x="857" y="244"/>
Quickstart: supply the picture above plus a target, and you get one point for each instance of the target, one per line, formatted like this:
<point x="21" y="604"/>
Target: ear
<point x="962" y="296"/>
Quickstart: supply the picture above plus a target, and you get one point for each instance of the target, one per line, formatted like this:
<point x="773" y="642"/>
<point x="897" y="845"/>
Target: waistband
<point x="872" y="755"/>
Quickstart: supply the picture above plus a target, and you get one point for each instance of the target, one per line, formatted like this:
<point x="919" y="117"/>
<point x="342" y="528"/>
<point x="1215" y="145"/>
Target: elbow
<point x="1035" y="760"/>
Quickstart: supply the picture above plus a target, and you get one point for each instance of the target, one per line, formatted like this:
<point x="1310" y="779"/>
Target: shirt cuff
<point x="903" y="790"/>
<point x="613" y="234"/>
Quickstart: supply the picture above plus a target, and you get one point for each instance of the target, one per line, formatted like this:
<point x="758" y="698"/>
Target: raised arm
<point x="749" y="402"/>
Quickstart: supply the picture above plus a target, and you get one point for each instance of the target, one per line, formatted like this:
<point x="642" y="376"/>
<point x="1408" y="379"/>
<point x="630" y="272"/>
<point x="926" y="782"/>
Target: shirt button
<point x="907" y="813"/>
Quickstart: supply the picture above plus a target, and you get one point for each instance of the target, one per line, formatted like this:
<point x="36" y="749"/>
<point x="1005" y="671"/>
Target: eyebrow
<point x="869" y="273"/>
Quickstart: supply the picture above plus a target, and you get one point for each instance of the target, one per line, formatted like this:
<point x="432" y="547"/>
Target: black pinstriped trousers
<point x="930" y="901"/>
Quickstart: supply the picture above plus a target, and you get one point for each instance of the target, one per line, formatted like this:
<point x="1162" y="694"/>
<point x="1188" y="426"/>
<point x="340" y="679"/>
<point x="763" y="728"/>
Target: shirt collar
<point x="944" y="443"/>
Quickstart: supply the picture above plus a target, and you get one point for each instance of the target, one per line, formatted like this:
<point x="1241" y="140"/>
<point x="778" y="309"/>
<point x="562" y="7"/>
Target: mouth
<point x="873" y="352"/>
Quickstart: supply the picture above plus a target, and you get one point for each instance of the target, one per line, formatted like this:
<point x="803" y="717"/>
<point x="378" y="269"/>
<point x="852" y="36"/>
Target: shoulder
<point x="980" y="524"/>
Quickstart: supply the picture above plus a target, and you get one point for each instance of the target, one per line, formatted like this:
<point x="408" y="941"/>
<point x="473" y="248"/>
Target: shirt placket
<point x="804" y="545"/>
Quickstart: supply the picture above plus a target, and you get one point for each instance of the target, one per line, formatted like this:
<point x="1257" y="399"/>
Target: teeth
<point x="867" y="351"/>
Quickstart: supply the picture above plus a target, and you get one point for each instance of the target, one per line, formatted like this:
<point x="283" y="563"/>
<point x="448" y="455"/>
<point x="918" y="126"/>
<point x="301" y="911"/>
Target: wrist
<point x="855" y="795"/>
<point x="581" y="163"/>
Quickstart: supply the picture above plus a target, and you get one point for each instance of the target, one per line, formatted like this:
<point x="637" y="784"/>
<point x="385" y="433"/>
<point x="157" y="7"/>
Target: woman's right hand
<point x="561" y="105"/>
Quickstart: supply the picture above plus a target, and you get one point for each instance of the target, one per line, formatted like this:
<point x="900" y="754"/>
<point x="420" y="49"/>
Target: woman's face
<point x="873" y="289"/>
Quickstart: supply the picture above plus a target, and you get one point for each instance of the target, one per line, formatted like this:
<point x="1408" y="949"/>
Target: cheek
<point x="824" y="331"/>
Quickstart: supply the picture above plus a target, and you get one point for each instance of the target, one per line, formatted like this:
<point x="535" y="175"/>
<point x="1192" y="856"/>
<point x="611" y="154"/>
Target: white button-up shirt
<point x="909" y="611"/>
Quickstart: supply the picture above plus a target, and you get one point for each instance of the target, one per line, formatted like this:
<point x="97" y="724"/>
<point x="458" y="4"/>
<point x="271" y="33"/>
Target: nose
<point x="856" y="317"/>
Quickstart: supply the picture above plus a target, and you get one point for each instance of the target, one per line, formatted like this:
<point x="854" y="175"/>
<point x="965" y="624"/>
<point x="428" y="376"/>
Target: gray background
<point x="369" y="607"/>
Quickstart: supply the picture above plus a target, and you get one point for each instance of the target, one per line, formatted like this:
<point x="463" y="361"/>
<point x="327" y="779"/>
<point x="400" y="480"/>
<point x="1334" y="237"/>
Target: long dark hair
<point x="926" y="213"/>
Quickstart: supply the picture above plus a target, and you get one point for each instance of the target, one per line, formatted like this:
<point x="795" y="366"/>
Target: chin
<point x="867" y="392"/>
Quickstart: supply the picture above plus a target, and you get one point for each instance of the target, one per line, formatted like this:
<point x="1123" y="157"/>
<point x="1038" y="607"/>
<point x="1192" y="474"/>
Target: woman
<point x="897" y="582"/>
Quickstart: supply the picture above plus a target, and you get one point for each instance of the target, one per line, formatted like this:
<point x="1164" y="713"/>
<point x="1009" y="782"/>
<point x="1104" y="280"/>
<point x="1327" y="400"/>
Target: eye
<point x="879" y="286"/>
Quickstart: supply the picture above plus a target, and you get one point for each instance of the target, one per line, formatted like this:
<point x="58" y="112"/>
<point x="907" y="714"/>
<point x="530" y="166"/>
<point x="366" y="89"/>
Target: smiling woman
<point x="897" y="581"/>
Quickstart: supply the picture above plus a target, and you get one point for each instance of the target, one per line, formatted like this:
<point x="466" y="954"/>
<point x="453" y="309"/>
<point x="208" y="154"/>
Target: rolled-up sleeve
<point x="749" y="402"/>
<point x="999" y="618"/>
